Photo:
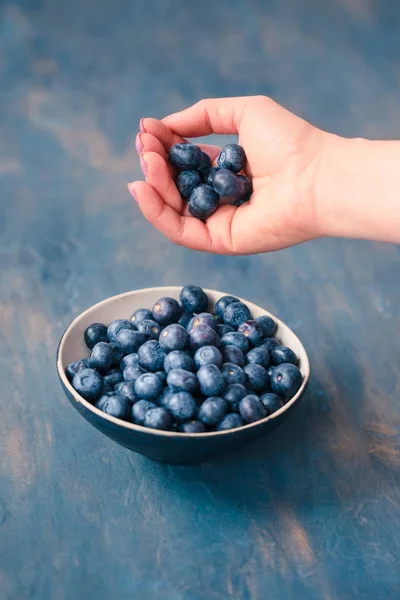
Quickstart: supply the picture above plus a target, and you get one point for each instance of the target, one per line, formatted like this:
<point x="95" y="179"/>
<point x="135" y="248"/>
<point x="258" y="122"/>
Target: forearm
<point x="357" y="191"/>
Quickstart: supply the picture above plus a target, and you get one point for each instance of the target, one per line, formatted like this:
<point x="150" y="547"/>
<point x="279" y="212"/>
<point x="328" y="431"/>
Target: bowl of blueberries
<point x="181" y="374"/>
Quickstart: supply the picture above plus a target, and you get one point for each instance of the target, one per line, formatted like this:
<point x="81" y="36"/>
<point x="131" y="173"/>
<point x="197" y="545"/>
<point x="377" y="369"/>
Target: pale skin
<point x="307" y="183"/>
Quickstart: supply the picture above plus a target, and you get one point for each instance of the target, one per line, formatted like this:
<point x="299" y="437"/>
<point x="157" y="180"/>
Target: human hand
<point x="283" y="154"/>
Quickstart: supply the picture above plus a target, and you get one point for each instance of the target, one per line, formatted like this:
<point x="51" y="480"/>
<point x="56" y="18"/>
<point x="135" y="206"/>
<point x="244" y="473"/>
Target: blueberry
<point x="192" y="427"/>
<point x="185" y="319"/>
<point x="127" y="390"/>
<point x="88" y="383"/>
<point x="174" y="337"/>
<point x="148" y="386"/>
<point x="185" y="156"/>
<point x="232" y="157"/>
<point x="203" y="319"/>
<point x="193" y="299"/>
<point x="211" y="380"/>
<point x="203" y="335"/>
<point x="164" y="397"/>
<point x="166" y="311"/>
<point x="151" y="356"/>
<point x="233" y="374"/>
<point x="259" y="356"/>
<point x="236" y="339"/>
<point x="95" y="333"/>
<point x="150" y="327"/>
<point x="140" y="314"/>
<point x="132" y="372"/>
<point x="187" y="181"/>
<point x="209" y="174"/>
<point x="129" y="341"/>
<point x="251" y="409"/>
<point x="268" y="325"/>
<point x="178" y="359"/>
<point x="228" y="185"/>
<point x="208" y="355"/>
<point x="233" y="394"/>
<point x="182" y="406"/>
<point x="222" y="329"/>
<point x="102" y="357"/>
<point x="157" y="418"/>
<point x="269" y="344"/>
<point x="180" y="380"/>
<point x="247" y="190"/>
<point x="212" y="410"/>
<point x="162" y="375"/>
<point x="252" y="331"/>
<point x="236" y="313"/>
<point x="256" y="377"/>
<point x="283" y="354"/>
<point x="270" y="371"/>
<point x="203" y="202"/>
<point x="285" y="380"/>
<point x="129" y="359"/>
<point x="139" y="410"/>
<point x="205" y="161"/>
<point x="233" y="354"/>
<point x="74" y="367"/>
<point x="231" y="421"/>
<point x="111" y="379"/>
<point x="115" y="327"/>
<point x="115" y="405"/>
<point x="271" y="402"/>
<point x="222" y="305"/>
<point x="117" y="353"/>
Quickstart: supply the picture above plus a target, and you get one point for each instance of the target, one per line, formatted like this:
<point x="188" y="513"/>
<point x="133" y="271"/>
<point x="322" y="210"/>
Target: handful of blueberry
<point x="179" y="367"/>
<point x="204" y="185"/>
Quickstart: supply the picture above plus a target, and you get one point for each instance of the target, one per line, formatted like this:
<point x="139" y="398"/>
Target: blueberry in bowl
<point x="187" y="396"/>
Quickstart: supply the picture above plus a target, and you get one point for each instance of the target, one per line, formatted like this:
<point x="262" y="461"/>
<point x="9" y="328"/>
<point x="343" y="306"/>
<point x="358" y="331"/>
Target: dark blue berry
<point x="251" y="409"/>
<point x="129" y="359"/>
<point x="268" y="325"/>
<point x="286" y="380"/>
<point x="162" y="375"/>
<point x="203" y="319"/>
<point x="185" y="319"/>
<point x="283" y="354"/>
<point x="166" y="311"/>
<point x="178" y="359"/>
<point x="174" y="337"/>
<point x="222" y="305"/>
<point x="269" y="344"/>
<point x="115" y="327"/>
<point x="193" y="299"/>
<point x="228" y="185"/>
<point x="205" y="161"/>
<point x="139" y="410"/>
<point x="233" y="354"/>
<point x="148" y="386"/>
<point x="140" y="314"/>
<point x="151" y="356"/>
<point x="233" y="394"/>
<point x="118" y="355"/>
<point x="132" y="372"/>
<point x="252" y="331"/>
<point x="203" y="202"/>
<point x="127" y="389"/>
<point x="185" y="156"/>
<point x="75" y="366"/>
<point x="208" y="175"/>
<point x="102" y="357"/>
<point x="256" y="377"/>
<point x="115" y="405"/>
<point x="247" y="190"/>
<point x="88" y="383"/>
<point x="111" y="379"/>
<point x="192" y="427"/>
<point x="259" y="356"/>
<point x="231" y="421"/>
<point x="95" y="333"/>
<point x="270" y="371"/>
<point x="165" y="396"/>
<point x="236" y="339"/>
<point x="222" y="329"/>
<point x="211" y="381"/>
<point x="232" y="157"/>
<point x="150" y="327"/>
<point x="182" y="406"/>
<point x="181" y="380"/>
<point x="203" y="335"/>
<point x="187" y="181"/>
<point x="232" y="373"/>
<point x="236" y="313"/>
<point x="208" y="355"/>
<point x="271" y="402"/>
<point x="212" y="410"/>
<point x="129" y="341"/>
<point x="157" y="418"/>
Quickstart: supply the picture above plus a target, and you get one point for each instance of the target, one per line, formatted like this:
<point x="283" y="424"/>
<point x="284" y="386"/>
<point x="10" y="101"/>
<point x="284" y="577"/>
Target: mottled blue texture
<point x="233" y="157"/>
<point x="203" y="202"/>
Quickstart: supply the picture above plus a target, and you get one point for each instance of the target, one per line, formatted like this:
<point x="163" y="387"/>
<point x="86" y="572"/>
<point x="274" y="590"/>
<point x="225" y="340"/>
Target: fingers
<point x="158" y="175"/>
<point x="216" y="115"/>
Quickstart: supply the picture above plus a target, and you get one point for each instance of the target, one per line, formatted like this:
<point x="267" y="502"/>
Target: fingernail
<point x="143" y="165"/>
<point x="139" y="144"/>
<point x="141" y="126"/>
<point x="132" y="191"/>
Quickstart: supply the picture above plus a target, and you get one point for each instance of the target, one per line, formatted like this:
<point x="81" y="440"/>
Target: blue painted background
<point x="310" y="513"/>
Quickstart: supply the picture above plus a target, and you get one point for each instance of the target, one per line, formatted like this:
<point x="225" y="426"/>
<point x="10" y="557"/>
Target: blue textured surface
<point x="310" y="513"/>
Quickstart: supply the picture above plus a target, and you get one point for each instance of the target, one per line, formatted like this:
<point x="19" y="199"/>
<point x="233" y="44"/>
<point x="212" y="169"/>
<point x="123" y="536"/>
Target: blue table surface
<point x="312" y="511"/>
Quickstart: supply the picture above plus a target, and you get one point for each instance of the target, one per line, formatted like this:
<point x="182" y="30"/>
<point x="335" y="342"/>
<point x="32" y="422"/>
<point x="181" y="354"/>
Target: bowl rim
<point x="163" y="290"/>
